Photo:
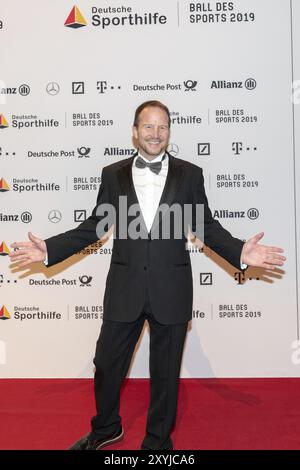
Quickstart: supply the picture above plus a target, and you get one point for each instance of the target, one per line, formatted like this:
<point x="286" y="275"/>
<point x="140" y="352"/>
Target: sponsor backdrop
<point x="71" y="78"/>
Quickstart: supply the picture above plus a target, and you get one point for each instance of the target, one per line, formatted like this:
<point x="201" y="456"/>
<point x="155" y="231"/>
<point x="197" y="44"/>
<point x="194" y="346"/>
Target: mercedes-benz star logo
<point x="173" y="149"/>
<point x="54" y="216"/>
<point x="53" y="88"/>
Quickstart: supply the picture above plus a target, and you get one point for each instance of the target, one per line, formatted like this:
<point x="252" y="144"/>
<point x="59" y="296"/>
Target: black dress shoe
<point x="85" y="443"/>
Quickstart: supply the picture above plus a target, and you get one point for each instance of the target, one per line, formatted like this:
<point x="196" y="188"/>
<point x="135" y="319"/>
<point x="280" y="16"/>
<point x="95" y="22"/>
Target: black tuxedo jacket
<point x="161" y="264"/>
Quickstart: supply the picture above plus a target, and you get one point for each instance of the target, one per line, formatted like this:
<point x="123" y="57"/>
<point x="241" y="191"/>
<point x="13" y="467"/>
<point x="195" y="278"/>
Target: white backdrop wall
<point x="68" y="94"/>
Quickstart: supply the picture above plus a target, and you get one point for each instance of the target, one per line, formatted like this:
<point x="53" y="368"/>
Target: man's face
<point x="152" y="132"/>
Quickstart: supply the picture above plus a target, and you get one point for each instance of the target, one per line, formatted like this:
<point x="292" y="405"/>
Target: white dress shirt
<point x="149" y="187"/>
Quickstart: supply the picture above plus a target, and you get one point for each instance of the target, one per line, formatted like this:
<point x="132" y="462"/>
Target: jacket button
<point x="145" y="268"/>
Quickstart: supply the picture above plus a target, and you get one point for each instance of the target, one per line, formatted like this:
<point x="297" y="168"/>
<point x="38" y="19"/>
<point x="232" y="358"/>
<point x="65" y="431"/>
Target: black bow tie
<point x="155" y="166"/>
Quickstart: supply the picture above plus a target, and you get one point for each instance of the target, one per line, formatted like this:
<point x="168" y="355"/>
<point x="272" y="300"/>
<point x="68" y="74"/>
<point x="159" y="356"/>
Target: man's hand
<point x="29" y="252"/>
<point x="261" y="256"/>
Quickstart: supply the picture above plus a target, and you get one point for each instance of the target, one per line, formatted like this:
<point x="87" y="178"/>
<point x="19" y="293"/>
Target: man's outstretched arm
<point x="63" y="245"/>
<point x="234" y="250"/>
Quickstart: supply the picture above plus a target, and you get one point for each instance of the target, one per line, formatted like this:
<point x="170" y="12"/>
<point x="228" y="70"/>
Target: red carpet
<point x="212" y="414"/>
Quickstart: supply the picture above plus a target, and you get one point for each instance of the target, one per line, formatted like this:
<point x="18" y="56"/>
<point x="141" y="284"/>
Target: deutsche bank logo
<point x="79" y="215"/>
<point x="206" y="279"/>
<point x="78" y="88"/>
<point x="204" y="149"/>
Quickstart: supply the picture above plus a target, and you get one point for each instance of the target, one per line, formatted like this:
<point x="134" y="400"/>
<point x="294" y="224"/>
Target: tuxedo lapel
<point x="174" y="178"/>
<point x="127" y="186"/>
<point x="126" y="181"/>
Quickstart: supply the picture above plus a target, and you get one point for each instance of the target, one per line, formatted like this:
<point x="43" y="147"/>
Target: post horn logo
<point x="4" y="250"/>
<point x="3" y="122"/>
<point x="3" y="186"/>
<point x="75" y="19"/>
<point x="4" y="313"/>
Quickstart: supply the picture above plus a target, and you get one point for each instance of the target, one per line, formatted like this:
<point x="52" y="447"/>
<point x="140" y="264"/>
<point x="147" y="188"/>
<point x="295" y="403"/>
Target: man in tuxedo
<point x="150" y="275"/>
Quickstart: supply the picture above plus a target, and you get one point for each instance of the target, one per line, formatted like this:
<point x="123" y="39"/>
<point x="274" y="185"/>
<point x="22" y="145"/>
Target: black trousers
<point x="114" y="351"/>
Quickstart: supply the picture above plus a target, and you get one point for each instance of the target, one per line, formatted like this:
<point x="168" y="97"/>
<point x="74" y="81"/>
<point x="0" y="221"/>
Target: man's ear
<point x="134" y="132"/>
